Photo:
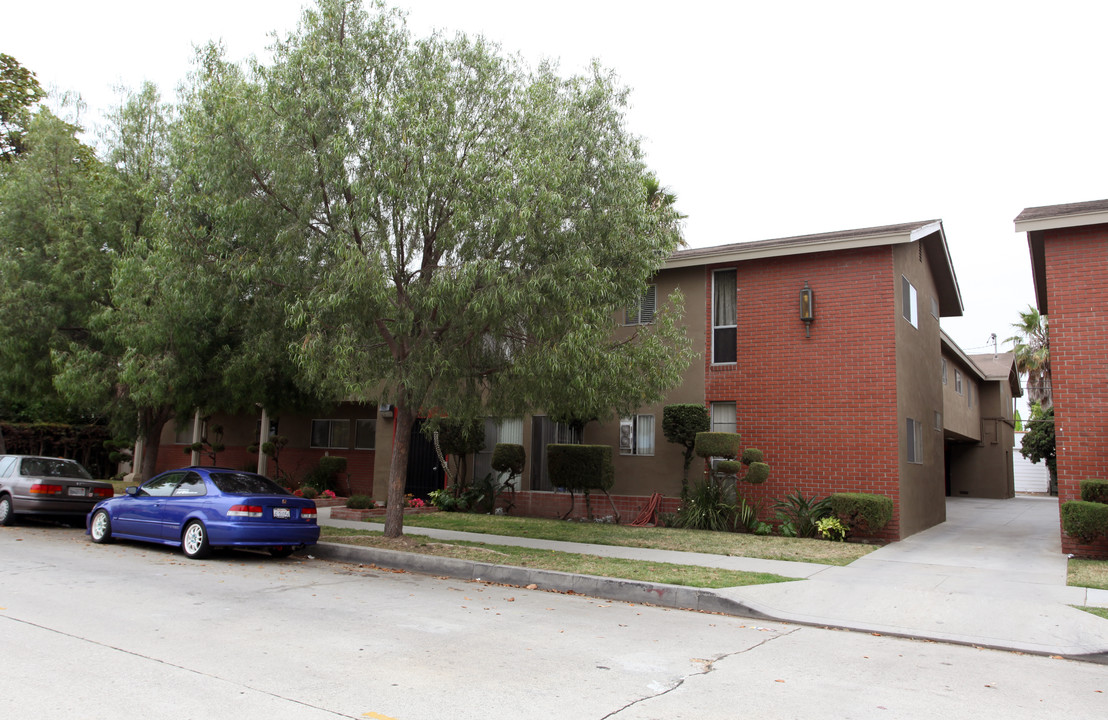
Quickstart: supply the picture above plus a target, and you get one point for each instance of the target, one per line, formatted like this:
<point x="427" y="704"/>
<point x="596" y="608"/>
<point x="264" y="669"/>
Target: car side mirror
<point x="133" y="491"/>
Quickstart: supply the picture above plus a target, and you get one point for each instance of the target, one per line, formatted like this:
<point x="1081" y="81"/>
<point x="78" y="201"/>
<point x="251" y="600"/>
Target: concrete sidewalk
<point x="991" y="576"/>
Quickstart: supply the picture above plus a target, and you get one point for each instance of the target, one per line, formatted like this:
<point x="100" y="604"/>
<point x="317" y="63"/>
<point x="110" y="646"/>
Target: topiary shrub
<point x="581" y="468"/>
<point x="359" y="502"/>
<point x="727" y="446"/>
<point x="1085" y="520"/>
<point x="680" y="425"/>
<point x="509" y="458"/>
<point x="863" y="513"/>
<point x="324" y="475"/>
<point x="1094" y="491"/>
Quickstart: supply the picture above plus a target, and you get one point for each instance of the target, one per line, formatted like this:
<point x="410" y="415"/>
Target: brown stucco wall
<point x="919" y="395"/>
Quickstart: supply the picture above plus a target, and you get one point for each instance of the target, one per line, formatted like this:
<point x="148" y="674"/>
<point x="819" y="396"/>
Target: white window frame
<point x="914" y="436"/>
<point x="958" y="381"/>
<point x="642" y="312"/>
<point x="735" y="327"/>
<point x="938" y="421"/>
<point x="332" y="424"/>
<point x="721" y="425"/>
<point x="636" y="435"/>
<point x="944" y="371"/>
<point x="910" y="300"/>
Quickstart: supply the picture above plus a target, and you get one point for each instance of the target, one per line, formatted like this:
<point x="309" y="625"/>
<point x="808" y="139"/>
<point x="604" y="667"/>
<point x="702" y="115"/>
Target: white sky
<point x="767" y="118"/>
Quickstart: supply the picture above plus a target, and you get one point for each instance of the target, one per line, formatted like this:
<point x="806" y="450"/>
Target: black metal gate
<point x="424" y="470"/>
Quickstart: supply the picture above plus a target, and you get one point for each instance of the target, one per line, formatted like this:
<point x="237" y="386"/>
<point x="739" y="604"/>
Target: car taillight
<point x="40" y="489"/>
<point x="308" y="513"/>
<point x="103" y="492"/>
<point x="245" y="511"/>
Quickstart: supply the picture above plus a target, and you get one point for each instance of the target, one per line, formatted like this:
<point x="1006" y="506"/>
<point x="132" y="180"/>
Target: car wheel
<point x="194" y="541"/>
<point x="7" y="516"/>
<point x="100" y="529"/>
<point x="281" y="551"/>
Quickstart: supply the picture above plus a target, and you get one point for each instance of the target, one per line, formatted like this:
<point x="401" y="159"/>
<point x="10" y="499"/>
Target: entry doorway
<point x="425" y="472"/>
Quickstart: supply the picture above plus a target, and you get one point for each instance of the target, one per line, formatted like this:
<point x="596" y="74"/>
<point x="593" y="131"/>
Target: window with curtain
<point x="636" y="435"/>
<point x="724" y="417"/>
<point x="725" y="317"/>
<point x="507" y="430"/>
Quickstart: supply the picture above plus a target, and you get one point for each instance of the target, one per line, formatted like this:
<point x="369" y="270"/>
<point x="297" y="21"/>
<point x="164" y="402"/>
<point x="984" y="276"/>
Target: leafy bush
<point x="862" y="513"/>
<point x="309" y="492"/>
<point x="580" y="467"/>
<point x="710" y="506"/>
<point x="324" y="475"/>
<point x="680" y="425"/>
<point x="1085" y="520"/>
<point x="1094" y="491"/>
<point x="718" y="444"/>
<point x="799" y="515"/>
<point x="359" y="502"/>
<point x="509" y="458"/>
<point x="832" y="528"/>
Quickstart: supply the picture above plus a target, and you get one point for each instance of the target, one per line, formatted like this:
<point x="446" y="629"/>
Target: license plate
<point x="282" y="513"/>
<point x="77" y="491"/>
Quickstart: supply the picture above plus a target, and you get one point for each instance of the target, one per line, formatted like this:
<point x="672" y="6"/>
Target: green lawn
<point x="668" y="573"/>
<point x="716" y="543"/>
<point x="1088" y="573"/>
<point x="1102" y="612"/>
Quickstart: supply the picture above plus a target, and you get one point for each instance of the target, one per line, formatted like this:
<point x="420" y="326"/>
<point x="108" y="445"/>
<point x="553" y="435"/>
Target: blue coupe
<point x="200" y="508"/>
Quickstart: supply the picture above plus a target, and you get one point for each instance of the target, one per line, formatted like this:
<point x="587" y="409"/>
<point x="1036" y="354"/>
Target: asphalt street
<point x="132" y="631"/>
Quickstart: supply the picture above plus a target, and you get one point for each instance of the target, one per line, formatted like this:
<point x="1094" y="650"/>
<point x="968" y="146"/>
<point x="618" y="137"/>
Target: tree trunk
<point x="398" y="469"/>
<point x="151" y="422"/>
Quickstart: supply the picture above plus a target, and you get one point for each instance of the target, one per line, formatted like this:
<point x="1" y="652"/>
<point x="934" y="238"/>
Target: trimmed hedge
<point x="360" y="502"/>
<point x="757" y="473"/>
<point x="718" y="444"/>
<point x="728" y="467"/>
<point x="753" y="455"/>
<point x="681" y="422"/>
<point x="1085" y="520"/>
<point x="509" y="458"/>
<point x="580" y="467"/>
<point x="863" y="513"/>
<point x="1094" y="491"/>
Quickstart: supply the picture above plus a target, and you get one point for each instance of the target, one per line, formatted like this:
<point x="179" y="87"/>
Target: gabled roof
<point x="929" y="232"/>
<point x="997" y="367"/>
<point x="1035" y="220"/>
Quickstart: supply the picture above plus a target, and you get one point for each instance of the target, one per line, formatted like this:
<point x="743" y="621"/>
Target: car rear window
<point x="246" y="484"/>
<point x="50" y="467"/>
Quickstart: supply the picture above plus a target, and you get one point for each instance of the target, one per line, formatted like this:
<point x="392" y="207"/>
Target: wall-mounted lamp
<point x="807" y="308"/>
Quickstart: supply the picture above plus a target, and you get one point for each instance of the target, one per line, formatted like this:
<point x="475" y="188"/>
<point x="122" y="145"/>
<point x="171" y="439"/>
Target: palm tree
<point x="661" y="200"/>
<point x="1032" y="347"/>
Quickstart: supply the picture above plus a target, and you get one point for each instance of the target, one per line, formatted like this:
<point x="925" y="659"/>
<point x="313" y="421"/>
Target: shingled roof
<point x="1035" y="220"/>
<point x="929" y="232"/>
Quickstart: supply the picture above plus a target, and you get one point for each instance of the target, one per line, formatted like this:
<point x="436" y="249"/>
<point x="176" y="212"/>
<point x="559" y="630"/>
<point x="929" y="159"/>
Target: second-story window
<point x="725" y="315"/>
<point x="909" y="301"/>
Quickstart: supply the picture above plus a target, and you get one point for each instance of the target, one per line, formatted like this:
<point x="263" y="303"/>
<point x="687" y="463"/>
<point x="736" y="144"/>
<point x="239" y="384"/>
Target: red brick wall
<point x="823" y="409"/>
<point x="1077" y="295"/>
<point x="294" y="461"/>
<point x="555" y="504"/>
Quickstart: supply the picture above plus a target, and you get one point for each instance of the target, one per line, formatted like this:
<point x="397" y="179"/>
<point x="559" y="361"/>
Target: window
<point x="642" y="312"/>
<point x="944" y="371"/>
<point x="508" y="430"/>
<point x="958" y="381"/>
<point x="935" y="308"/>
<point x="182" y="434"/>
<point x="365" y="434"/>
<point x="725" y="316"/>
<point x="908" y="300"/>
<point x="331" y="434"/>
<point x="969" y="394"/>
<point x="636" y="435"/>
<point x="914" y="432"/>
<point x="938" y="421"/>
<point x="724" y="417"/>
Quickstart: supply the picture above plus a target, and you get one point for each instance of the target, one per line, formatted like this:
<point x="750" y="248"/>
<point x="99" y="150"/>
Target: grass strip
<point x="704" y="541"/>
<point x="1102" y="612"/>
<point x="669" y="573"/>
<point x="1086" y="573"/>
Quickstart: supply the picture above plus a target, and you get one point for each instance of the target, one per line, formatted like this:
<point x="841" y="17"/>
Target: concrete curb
<point x="678" y="597"/>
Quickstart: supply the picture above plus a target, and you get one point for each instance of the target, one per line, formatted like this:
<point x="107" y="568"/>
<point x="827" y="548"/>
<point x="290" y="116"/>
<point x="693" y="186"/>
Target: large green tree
<point x="1031" y="344"/>
<point x="19" y="91"/>
<point x="457" y="231"/>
